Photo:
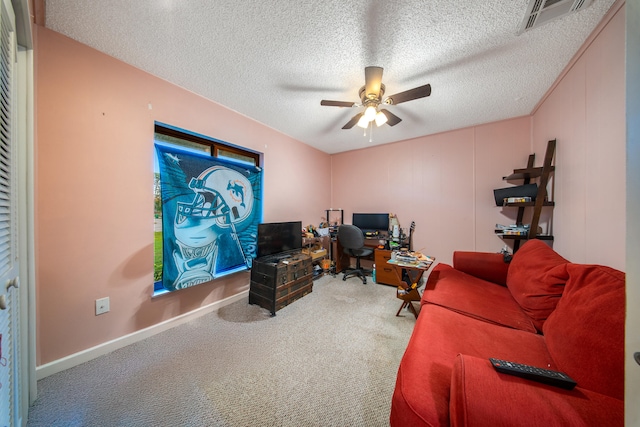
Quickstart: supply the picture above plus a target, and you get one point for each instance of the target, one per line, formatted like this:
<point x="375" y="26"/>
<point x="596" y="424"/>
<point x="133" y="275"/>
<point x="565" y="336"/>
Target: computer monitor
<point x="371" y="222"/>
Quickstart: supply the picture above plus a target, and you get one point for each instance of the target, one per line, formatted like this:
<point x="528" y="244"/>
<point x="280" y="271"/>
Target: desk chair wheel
<point x="364" y="279"/>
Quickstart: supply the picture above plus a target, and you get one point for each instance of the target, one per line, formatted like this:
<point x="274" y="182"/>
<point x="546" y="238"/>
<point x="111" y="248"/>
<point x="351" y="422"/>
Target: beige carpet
<point x="328" y="359"/>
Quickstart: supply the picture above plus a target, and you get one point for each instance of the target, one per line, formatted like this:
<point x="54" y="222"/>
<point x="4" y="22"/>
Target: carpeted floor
<point x="328" y="359"/>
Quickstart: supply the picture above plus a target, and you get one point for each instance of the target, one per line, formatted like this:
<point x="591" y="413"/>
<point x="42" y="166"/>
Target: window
<point x="187" y="142"/>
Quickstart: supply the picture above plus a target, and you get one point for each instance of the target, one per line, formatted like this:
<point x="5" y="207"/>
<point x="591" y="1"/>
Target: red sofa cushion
<point x="482" y="397"/>
<point x="471" y="296"/>
<point x="421" y="395"/>
<point x="585" y="333"/>
<point x="536" y="279"/>
<point x="483" y="265"/>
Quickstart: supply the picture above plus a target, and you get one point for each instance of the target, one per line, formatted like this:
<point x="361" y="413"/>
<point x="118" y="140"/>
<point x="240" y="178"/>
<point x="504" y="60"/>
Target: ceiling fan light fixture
<point x="381" y="118"/>
<point x="370" y="113"/>
<point x="363" y="122"/>
<point x="372" y="98"/>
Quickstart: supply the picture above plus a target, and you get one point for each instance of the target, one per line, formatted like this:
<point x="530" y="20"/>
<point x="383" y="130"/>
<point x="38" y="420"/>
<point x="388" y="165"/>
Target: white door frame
<point x="25" y="176"/>
<point x="632" y="340"/>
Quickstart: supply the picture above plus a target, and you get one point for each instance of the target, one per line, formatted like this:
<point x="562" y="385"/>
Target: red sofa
<point x="539" y="310"/>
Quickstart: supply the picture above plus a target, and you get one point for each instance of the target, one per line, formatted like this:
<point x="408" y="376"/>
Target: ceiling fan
<point x="371" y="97"/>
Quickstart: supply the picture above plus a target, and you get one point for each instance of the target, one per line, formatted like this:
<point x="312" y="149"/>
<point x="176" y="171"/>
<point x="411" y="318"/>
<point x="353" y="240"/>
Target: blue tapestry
<point x="210" y="214"/>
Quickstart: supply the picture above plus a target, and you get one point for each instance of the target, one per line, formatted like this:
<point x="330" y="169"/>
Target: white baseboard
<point x="72" y="360"/>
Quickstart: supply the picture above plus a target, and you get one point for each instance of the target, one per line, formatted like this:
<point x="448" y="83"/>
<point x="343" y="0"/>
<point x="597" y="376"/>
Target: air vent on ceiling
<point x="540" y="12"/>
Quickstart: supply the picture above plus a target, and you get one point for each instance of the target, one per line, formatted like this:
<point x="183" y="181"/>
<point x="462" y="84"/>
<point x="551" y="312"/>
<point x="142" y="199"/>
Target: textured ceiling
<point x="274" y="60"/>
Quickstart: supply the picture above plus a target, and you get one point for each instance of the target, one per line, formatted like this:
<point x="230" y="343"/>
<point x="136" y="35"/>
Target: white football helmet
<point x="222" y="195"/>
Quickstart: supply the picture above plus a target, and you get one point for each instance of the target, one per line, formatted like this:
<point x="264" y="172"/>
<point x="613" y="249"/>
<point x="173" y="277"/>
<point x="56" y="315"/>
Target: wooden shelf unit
<point x="543" y="174"/>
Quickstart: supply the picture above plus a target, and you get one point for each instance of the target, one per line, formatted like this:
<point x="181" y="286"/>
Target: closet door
<point x="10" y="388"/>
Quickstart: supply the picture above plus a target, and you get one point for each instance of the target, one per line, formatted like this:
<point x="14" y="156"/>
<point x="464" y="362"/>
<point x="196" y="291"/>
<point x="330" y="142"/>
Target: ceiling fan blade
<point x="337" y="103"/>
<point x="372" y="81"/>
<point x="392" y="119"/>
<point x="351" y="123"/>
<point x="409" y="95"/>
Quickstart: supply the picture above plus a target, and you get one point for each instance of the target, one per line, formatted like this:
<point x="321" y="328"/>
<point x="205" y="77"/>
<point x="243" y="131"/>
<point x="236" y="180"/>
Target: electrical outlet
<point x="102" y="305"/>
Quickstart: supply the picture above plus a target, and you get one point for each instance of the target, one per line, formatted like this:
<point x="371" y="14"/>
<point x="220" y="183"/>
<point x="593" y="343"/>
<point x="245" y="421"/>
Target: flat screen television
<point x="279" y="237"/>
<point x="368" y="222"/>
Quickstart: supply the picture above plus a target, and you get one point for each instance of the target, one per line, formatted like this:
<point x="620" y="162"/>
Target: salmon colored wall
<point x="94" y="203"/>
<point x="586" y="113"/>
<point x="94" y="173"/>
<point x="443" y="182"/>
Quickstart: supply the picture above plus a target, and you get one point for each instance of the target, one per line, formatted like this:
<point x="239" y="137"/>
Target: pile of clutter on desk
<point x="412" y="258"/>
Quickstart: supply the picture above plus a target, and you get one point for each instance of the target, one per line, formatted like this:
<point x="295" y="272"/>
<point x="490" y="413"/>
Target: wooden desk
<point x="385" y="273"/>
<point x="408" y="291"/>
<point x="342" y="261"/>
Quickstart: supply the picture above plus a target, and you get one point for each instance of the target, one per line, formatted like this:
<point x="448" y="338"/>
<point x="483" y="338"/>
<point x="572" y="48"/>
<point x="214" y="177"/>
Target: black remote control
<point x="546" y="376"/>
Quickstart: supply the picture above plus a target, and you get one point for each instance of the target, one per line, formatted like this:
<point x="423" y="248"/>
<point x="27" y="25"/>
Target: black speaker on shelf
<point x="527" y="190"/>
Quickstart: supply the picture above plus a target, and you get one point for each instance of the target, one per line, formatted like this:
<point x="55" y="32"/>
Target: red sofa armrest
<point x="480" y="396"/>
<point x="483" y="265"/>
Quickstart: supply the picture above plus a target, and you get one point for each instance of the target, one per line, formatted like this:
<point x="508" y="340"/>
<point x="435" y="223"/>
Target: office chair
<point x="352" y="241"/>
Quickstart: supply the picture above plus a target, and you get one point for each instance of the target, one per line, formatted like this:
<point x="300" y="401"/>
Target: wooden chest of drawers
<point x="276" y="283"/>
<point x="385" y="273"/>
